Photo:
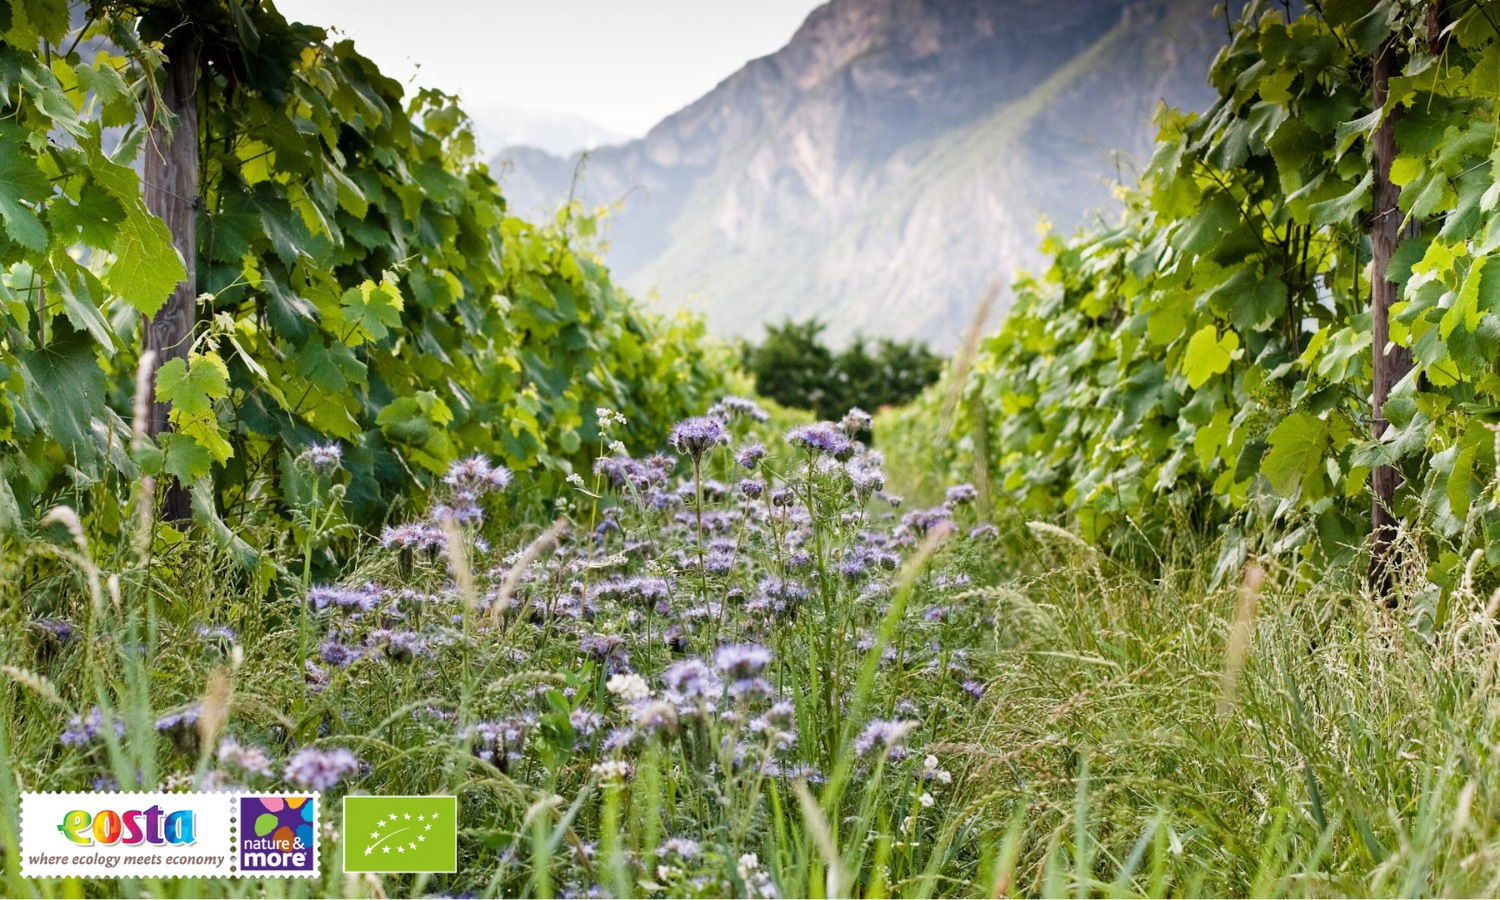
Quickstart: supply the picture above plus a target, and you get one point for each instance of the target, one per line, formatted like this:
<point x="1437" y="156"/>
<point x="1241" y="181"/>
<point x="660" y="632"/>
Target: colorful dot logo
<point x="278" y="834"/>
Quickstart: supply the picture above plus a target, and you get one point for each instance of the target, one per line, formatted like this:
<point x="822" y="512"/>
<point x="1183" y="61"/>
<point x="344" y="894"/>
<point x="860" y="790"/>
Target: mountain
<point x="889" y="161"/>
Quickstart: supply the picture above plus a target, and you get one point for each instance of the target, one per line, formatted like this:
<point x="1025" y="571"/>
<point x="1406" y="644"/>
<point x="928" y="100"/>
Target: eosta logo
<point x="131" y="827"/>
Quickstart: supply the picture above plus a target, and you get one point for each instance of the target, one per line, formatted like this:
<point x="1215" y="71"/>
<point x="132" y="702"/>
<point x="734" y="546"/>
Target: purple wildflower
<point x="323" y="458"/>
<point x="217" y="634"/>
<point x="251" y="760"/>
<point x="584" y="722"/>
<point x="855" y="421"/>
<point x="182" y="719"/>
<point x="884" y="735"/>
<point x="58" y="630"/>
<point x="363" y="599"/>
<point x="682" y="848"/>
<point x="320" y="770"/>
<point x="750" y="455"/>
<point x="961" y="494"/>
<point x="731" y="408"/>
<point x="691" y="679"/>
<point x="821" y="437"/>
<point x="742" y="660"/>
<point x="922" y="521"/>
<point x="696" y="436"/>
<point x="87" y="729"/>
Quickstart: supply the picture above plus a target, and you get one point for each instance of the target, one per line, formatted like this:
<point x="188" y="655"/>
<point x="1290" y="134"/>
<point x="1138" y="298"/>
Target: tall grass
<point x="1276" y="739"/>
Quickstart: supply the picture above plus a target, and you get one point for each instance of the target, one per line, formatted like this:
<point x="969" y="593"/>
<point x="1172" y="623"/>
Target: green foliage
<point x="793" y="367"/>
<point x="360" y="278"/>
<point x="1209" y="354"/>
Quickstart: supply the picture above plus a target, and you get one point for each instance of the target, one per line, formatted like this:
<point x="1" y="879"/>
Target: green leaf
<point x="1296" y="455"/>
<point x="1217" y="217"/>
<point x="1344" y="209"/>
<point x="147" y="267"/>
<point x="191" y="389"/>
<point x="1465" y="309"/>
<point x="65" y="391"/>
<point x="1208" y="354"/>
<point x="417" y="423"/>
<point x="184" y="458"/>
<point x="370" y="311"/>
<point x="115" y="98"/>
<point x="21" y="180"/>
<point x="81" y="294"/>
<point x="1461" y="485"/>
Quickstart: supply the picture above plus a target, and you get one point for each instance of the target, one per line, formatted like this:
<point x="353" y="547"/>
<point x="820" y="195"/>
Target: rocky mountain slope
<point x="895" y="156"/>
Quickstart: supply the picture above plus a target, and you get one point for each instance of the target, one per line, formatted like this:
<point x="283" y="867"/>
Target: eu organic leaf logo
<point x="400" y="834"/>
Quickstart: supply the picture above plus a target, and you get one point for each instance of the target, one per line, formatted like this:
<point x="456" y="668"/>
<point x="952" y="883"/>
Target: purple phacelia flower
<point x="696" y="436"/>
<point x="58" y="630"/>
<point x="731" y="408"/>
<point x="882" y="735"/>
<point x="87" y="729"/>
<point x="216" y="634"/>
<point x="584" y="722"/>
<point x="691" y="679"/>
<point x="362" y="599"/>
<point x="922" y="521"/>
<point x="320" y="770"/>
<point x="855" y="421"/>
<point x="323" y="458"/>
<point x="960" y="494"/>
<point x="742" y="660"/>
<point x="750" y="455"/>
<point x="820" y="438"/>
<point x="251" y="760"/>
<point x="682" y="848"/>
<point x="183" y="719"/>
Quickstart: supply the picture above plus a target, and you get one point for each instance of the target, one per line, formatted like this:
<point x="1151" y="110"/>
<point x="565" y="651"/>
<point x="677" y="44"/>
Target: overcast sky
<point x="606" y="68"/>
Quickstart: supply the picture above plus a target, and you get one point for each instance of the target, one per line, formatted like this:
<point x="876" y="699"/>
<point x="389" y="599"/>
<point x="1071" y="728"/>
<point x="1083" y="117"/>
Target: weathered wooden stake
<point x="172" y="193"/>
<point x="1391" y="363"/>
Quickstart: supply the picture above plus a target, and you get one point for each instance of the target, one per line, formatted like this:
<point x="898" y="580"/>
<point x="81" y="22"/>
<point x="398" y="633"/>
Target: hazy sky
<point x="619" y="64"/>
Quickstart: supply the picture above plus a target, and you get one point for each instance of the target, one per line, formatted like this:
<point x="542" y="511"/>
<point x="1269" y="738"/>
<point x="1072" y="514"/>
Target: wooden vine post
<point x="171" y="192"/>
<point x="1391" y="363"/>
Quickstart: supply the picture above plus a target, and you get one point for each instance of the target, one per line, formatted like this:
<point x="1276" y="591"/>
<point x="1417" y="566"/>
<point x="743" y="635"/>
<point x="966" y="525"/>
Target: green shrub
<point x="793" y="367"/>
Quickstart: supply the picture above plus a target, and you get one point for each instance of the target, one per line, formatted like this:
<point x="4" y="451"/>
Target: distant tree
<point x="903" y="370"/>
<point x="795" y="368"/>
<point x="792" y="365"/>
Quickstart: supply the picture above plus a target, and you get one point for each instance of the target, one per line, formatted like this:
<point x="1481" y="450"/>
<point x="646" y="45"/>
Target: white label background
<point x="215" y="818"/>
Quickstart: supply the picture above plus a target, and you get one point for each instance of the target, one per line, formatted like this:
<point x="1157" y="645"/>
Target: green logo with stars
<point x="400" y="834"/>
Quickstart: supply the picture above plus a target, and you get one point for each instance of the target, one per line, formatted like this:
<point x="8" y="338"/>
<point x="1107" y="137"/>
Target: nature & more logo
<point x="278" y="834"/>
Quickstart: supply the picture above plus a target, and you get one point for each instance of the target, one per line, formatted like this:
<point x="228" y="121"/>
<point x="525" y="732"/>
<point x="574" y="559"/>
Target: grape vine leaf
<point x="1297" y="448"/>
<point x="20" y="180"/>
<point x="1208" y="354"/>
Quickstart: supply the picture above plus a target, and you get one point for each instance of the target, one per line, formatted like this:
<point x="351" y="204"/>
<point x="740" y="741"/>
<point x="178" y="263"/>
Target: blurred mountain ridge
<point x="890" y="160"/>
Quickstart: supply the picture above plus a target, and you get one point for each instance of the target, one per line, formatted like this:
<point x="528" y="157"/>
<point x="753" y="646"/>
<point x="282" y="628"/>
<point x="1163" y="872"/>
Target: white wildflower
<point x="611" y="770"/>
<point x="628" y="686"/>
